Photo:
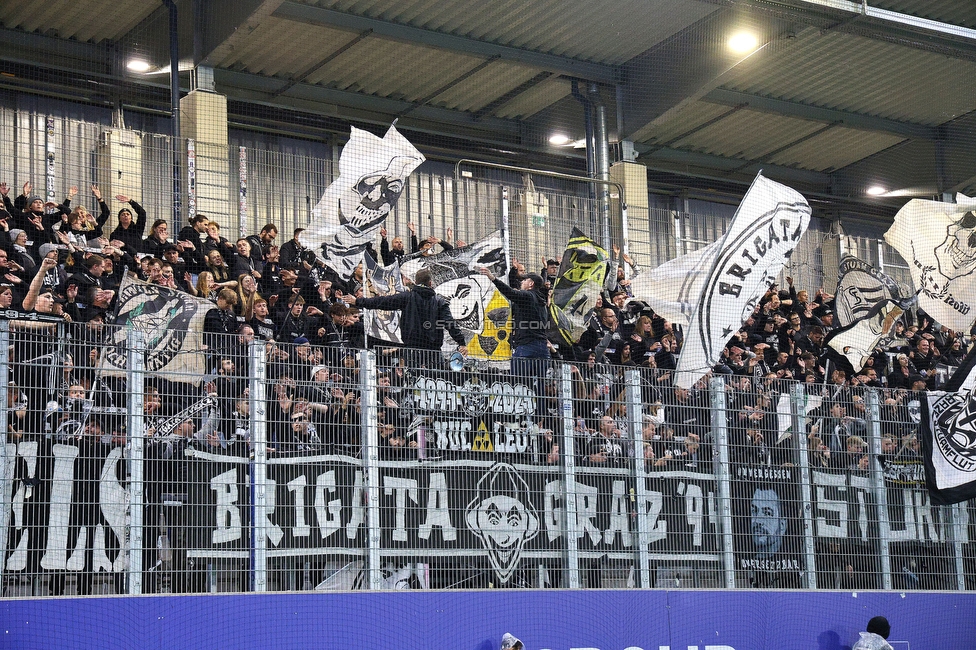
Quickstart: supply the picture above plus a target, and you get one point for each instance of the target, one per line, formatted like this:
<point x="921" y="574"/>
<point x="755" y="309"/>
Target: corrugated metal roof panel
<point x="860" y="75"/>
<point x="93" y="20"/>
<point x="484" y="86"/>
<point x="535" y="99"/>
<point x="691" y="117"/>
<point x="374" y="66"/>
<point x="393" y="69"/>
<point x="603" y="32"/>
<point x="736" y="135"/>
<point x="284" y="48"/>
<point x="835" y="149"/>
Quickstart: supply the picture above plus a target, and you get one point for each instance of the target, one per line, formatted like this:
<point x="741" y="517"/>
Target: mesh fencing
<point x="297" y="467"/>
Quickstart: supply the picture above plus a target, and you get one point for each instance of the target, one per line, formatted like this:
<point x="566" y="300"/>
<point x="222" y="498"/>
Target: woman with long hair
<point x="206" y="287"/>
<point x="157" y="239"/>
<point x="641" y="340"/>
<point x="218" y="267"/>
<point x="247" y="294"/>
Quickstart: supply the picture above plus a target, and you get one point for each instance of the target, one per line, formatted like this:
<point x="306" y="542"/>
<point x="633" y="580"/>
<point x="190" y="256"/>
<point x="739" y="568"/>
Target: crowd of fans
<point x="58" y="263"/>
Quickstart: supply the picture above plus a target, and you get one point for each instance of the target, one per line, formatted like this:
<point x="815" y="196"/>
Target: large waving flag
<point x="715" y="289"/>
<point x="382" y="281"/>
<point x="938" y="240"/>
<point x="672" y="290"/>
<point x="948" y="437"/>
<point x="582" y="273"/>
<point x="172" y="325"/>
<point x="867" y="305"/>
<point x="477" y="306"/>
<point x="372" y="174"/>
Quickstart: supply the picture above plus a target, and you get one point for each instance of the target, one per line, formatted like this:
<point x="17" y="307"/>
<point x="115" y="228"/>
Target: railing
<point x="284" y="467"/>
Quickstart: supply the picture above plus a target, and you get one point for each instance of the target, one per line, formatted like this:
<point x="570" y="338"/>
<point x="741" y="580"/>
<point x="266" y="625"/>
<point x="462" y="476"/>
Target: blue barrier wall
<point x="557" y="620"/>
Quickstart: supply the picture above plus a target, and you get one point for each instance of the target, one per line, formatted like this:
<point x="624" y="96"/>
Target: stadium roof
<point x="834" y="97"/>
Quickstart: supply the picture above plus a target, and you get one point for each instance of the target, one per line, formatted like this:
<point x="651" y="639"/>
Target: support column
<point x="8" y="456"/>
<point x="636" y="238"/>
<point x="259" y="466"/>
<point x="204" y="120"/>
<point x="120" y="153"/>
<point x="721" y="465"/>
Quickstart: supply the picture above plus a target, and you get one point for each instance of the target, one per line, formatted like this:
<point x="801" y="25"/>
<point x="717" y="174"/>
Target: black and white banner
<point x="767" y="525"/>
<point x="920" y="549"/>
<point x="171" y="322"/>
<point x="373" y="174"/>
<point x="497" y="512"/>
<point x="714" y="290"/>
<point x="68" y="507"/>
<point x="378" y="324"/>
<point x="845" y="529"/>
<point x="938" y="240"/>
<point x="948" y="437"/>
<point x="867" y="305"/>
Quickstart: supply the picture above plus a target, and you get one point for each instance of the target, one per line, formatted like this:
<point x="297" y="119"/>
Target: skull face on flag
<point x="476" y="305"/>
<point x="373" y="173"/>
<point x="956" y="255"/>
<point x="938" y="240"/>
<point x="367" y="203"/>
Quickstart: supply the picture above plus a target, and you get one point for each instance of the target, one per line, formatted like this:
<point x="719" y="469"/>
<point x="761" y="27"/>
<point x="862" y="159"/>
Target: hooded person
<point x="509" y="642"/>
<point x="875" y="638"/>
<point x="425" y="316"/>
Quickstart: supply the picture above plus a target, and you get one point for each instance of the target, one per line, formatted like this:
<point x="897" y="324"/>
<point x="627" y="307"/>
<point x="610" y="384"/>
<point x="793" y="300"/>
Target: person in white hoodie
<point x="876" y="635"/>
<point x="510" y="642"/>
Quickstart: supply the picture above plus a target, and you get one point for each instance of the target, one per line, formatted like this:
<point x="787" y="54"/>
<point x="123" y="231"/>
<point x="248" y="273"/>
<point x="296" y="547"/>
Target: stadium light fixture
<point x="559" y="139"/>
<point x="138" y="65"/>
<point x="743" y="42"/>
<point x="876" y="190"/>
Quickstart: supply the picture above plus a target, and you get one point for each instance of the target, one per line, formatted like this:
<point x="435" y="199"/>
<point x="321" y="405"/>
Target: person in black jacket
<point x="130" y="232"/>
<point x="530" y="320"/>
<point x="425" y="315"/>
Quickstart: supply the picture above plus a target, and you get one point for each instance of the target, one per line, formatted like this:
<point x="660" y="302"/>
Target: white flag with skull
<point x="372" y="174"/>
<point x="868" y="304"/>
<point x="938" y="240"/>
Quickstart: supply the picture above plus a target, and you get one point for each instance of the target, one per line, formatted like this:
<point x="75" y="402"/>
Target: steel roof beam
<point x="818" y="114"/>
<point x="312" y="15"/>
<point x="667" y="159"/>
<point x="329" y="101"/>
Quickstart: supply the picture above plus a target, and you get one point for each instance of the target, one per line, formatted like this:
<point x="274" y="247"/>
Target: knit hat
<point x="47" y="248"/>
<point x="536" y="279"/>
<point x="879" y="625"/>
<point x="14" y="232"/>
<point x="125" y="209"/>
<point x="33" y="198"/>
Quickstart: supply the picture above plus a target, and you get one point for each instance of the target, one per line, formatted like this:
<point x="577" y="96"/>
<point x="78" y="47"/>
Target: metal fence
<point x="257" y="466"/>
